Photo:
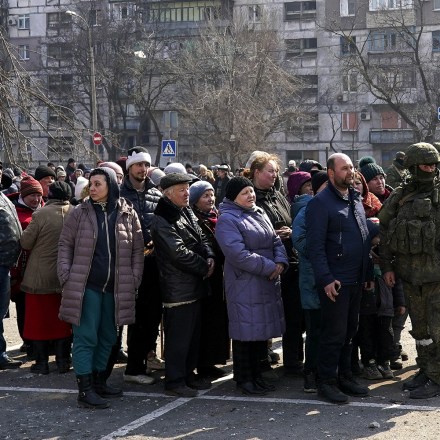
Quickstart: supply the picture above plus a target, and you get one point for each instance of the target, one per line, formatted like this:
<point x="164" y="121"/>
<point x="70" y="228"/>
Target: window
<point x="390" y="40"/>
<point x="56" y="116"/>
<point x="348" y="7"/>
<point x="170" y="119"/>
<point x="348" y="45"/>
<point x="93" y="17"/>
<point x="392" y="120"/>
<point x="436" y="4"/>
<point x="24" y="21"/>
<point x="309" y="81"/>
<point x="298" y="9"/>
<point x="23" y="116"/>
<point x="349" y="121"/>
<point x="23" y="52"/>
<point x="59" y="146"/>
<point x="377" y="5"/>
<point x="349" y="82"/>
<point x="301" y="47"/>
<point x="397" y="78"/>
<point x="181" y="12"/>
<point x="60" y="82"/>
<point x="59" y="51"/>
<point x="436" y="41"/>
<point x="56" y="20"/>
<point x="255" y="13"/>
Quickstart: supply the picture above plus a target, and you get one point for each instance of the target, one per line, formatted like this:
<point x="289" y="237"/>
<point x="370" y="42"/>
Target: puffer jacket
<point x="75" y="254"/>
<point x="10" y="233"/>
<point x="252" y="250"/>
<point x="41" y="236"/>
<point x="182" y="251"/>
<point x="144" y="203"/>
<point x="307" y="286"/>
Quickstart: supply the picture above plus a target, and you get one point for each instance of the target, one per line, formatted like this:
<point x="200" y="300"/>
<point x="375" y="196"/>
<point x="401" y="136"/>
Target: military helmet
<point x="421" y="153"/>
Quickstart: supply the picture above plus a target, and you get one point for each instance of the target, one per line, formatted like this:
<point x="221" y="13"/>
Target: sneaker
<point x="141" y="379"/>
<point x="349" y="386"/>
<point x="7" y="363"/>
<point x="329" y="391"/>
<point x="429" y="389"/>
<point x="182" y="391"/>
<point x="155" y="363"/>
<point x="415" y="382"/>
<point x="370" y="371"/>
<point x="385" y="370"/>
<point x="310" y="383"/>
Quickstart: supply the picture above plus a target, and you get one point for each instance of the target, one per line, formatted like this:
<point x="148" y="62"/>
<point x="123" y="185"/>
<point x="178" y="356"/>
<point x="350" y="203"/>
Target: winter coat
<point x="144" y="203"/>
<point x="41" y="237"/>
<point x="10" y="233"/>
<point x="75" y="254"/>
<point x="252" y="250"/>
<point x="182" y="251"/>
<point x="307" y="285"/>
<point x="338" y="238"/>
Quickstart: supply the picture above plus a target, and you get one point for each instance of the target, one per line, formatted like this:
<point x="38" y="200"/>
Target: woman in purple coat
<point x="254" y="260"/>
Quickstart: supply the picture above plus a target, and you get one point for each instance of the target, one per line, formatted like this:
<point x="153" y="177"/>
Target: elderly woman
<point x="264" y="172"/>
<point x="40" y="282"/>
<point x="100" y="264"/>
<point x="254" y="260"/>
<point x="214" y="339"/>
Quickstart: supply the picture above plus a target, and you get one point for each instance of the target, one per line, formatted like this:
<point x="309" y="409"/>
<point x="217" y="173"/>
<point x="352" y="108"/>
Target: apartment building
<point x="355" y="58"/>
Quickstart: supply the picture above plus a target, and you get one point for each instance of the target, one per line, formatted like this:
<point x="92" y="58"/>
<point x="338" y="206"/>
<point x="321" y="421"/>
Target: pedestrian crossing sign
<point x="169" y="148"/>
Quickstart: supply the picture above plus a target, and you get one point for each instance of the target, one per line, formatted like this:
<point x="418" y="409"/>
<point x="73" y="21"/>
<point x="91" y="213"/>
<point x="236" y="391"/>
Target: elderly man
<point x="10" y="232"/>
<point x="185" y="261"/>
<point x="338" y="245"/>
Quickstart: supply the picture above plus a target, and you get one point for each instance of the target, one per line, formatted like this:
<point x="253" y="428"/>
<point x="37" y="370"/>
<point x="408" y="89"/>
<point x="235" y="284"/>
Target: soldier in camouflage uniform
<point x="397" y="173"/>
<point x="410" y="247"/>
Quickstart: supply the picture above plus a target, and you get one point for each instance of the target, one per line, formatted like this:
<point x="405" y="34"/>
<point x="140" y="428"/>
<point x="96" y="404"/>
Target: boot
<point x="101" y="387"/>
<point x="62" y="355"/>
<point x="41" y="353"/>
<point x="87" y="397"/>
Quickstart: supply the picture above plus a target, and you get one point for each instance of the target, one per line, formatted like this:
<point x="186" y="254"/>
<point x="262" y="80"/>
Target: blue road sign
<point x="169" y="148"/>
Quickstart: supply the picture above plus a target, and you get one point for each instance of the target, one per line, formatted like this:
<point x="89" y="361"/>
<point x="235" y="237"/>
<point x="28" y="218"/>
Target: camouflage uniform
<point x="396" y="174"/>
<point x="410" y="246"/>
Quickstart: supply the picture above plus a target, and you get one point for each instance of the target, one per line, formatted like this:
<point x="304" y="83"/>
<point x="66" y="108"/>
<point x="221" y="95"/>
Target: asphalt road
<point x="44" y="407"/>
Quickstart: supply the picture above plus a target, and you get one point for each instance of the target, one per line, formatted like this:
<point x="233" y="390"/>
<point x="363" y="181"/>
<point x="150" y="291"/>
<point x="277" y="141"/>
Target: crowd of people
<point x="338" y="253"/>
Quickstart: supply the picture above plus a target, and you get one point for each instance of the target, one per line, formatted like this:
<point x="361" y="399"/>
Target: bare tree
<point x="394" y="62"/>
<point x="234" y="94"/>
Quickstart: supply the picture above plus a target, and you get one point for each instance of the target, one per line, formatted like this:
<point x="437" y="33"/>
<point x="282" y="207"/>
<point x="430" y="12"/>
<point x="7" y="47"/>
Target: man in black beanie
<point x="46" y="176"/>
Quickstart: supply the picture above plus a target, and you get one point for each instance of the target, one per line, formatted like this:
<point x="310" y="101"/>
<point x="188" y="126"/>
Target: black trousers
<point x="313" y="332"/>
<point x="182" y="326"/>
<point x="376" y="338"/>
<point x="142" y="335"/>
<point x="246" y="356"/>
<point x="338" y="326"/>
<point x="293" y="353"/>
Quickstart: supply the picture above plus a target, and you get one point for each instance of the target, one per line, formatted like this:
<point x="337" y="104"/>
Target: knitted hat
<point x="174" y="179"/>
<point x="155" y="175"/>
<point x="43" y="171"/>
<point x="60" y="191"/>
<point x="174" y="168"/>
<point x="308" y="164"/>
<point x="114" y="166"/>
<point x="296" y="181"/>
<point x="369" y="168"/>
<point x="235" y="185"/>
<point x="61" y="173"/>
<point x="142" y="156"/>
<point x="29" y="185"/>
<point x="81" y="182"/>
<point x="318" y="179"/>
<point x="197" y="189"/>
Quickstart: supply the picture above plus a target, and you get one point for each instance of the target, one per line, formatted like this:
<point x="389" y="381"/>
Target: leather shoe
<point x="249" y="388"/>
<point x="7" y="363"/>
<point x="211" y="371"/>
<point x="182" y="391"/>
<point x="415" y="382"/>
<point x="329" y="391"/>
<point x="261" y="383"/>
<point x="198" y="383"/>
<point x="349" y="386"/>
<point x="429" y="389"/>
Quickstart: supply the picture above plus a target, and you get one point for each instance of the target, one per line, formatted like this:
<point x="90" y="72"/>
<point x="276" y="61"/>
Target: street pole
<point x="94" y="106"/>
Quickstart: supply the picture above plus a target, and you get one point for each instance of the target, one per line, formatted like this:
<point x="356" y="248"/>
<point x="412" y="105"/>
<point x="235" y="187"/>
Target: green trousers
<point x="423" y="304"/>
<point x="95" y="335"/>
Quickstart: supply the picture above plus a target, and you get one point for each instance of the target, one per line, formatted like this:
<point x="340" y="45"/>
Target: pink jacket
<point x="75" y="254"/>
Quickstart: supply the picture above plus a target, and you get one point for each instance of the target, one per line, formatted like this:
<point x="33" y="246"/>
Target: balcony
<point x="397" y="136"/>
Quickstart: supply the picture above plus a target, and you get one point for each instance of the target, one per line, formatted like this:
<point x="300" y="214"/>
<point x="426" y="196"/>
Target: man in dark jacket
<point x="220" y="183"/>
<point x="338" y="245"/>
<point x="142" y="335"/>
<point x="10" y="232"/>
<point x="185" y="261"/>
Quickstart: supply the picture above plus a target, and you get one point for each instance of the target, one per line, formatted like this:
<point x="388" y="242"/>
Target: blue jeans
<point x="5" y="295"/>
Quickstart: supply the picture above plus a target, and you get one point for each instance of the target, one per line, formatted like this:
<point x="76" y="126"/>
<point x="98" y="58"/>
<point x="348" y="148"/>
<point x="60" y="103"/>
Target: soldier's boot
<point x="429" y="389"/>
<point x="415" y="382"/>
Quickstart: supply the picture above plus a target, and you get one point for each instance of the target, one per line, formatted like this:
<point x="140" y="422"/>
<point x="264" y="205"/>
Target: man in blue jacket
<point x="338" y="246"/>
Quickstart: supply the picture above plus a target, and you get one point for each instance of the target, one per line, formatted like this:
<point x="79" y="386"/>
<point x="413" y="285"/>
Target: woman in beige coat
<point x="100" y="265"/>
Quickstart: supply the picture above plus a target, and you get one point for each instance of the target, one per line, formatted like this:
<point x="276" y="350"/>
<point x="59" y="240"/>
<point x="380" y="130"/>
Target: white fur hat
<point x="142" y="156"/>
